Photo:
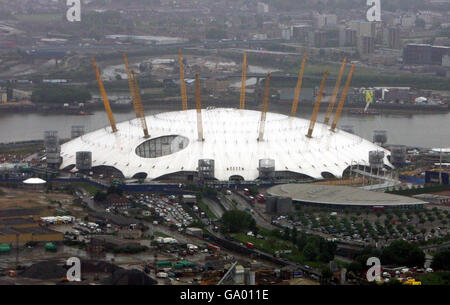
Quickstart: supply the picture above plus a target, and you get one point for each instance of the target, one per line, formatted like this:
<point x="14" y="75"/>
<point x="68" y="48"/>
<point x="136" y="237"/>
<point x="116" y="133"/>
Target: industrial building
<point x="336" y="196"/>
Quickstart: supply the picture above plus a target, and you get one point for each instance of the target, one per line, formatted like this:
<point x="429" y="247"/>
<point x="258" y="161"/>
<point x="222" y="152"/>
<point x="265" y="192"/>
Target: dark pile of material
<point x="45" y="270"/>
<point x="129" y="277"/>
<point x="53" y="269"/>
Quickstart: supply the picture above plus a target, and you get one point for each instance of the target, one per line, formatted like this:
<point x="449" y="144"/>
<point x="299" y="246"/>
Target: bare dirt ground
<point x="24" y="198"/>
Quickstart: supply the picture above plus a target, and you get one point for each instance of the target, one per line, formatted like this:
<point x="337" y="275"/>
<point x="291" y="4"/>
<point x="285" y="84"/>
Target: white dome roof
<point x="230" y="139"/>
<point x="34" y="181"/>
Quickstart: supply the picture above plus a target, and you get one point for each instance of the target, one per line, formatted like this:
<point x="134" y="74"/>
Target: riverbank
<point x="171" y="104"/>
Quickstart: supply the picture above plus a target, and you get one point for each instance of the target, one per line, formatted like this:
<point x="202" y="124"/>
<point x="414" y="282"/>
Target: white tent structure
<point x="34" y="181"/>
<point x="230" y="139"/>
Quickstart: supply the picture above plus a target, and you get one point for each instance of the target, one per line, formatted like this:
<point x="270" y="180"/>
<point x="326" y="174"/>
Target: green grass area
<point x="21" y="150"/>
<point x="207" y="210"/>
<point x="41" y="17"/>
<point x="91" y="189"/>
<point x="435" y="278"/>
<point x="272" y="244"/>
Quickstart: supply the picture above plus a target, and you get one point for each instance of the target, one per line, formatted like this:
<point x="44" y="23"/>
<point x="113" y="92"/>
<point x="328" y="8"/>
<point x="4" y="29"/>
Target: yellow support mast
<point x="298" y="88"/>
<point x="335" y="93"/>
<point x="131" y="85"/>
<point x="317" y="106"/>
<point x="139" y="106"/>
<point x="264" y="109"/>
<point x="243" y="82"/>
<point x="182" y="82"/>
<point x="342" y="100"/>
<point x="198" y="104"/>
<point x="105" y="98"/>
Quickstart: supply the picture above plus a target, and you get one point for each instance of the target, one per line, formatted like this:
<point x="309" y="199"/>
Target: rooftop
<point x="340" y="195"/>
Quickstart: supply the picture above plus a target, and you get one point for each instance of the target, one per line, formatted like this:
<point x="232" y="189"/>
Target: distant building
<point x="286" y="33"/>
<point x="347" y="37"/>
<point x="391" y="37"/>
<point x="424" y="54"/>
<point x="118" y="202"/>
<point x="434" y="199"/>
<point x="279" y="205"/>
<point x="325" y="20"/>
<point x="364" y="28"/>
<point x="366" y="45"/>
<point x="262" y="8"/>
<point x="446" y="60"/>
<point x="317" y="39"/>
<point x="300" y="32"/>
<point x="436" y="177"/>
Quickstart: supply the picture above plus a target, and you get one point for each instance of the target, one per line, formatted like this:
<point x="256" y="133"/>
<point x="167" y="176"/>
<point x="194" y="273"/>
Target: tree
<point x="355" y="267"/>
<point x="60" y="94"/>
<point x="100" y="196"/>
<point x="441" y="261"/>
<point x="310" y="251"/>
<point x="402" y="253"/>
<point x="236" y="221"/>
<point x="327" y="275"/>
<point x="423" y="231"/>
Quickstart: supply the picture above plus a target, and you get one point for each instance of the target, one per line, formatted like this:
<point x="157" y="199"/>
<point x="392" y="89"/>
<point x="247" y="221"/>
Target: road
<point x="242" y="204"/>
<point x="215" y="208"/>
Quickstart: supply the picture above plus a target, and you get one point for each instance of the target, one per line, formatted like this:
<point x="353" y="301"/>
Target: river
<point x="421" y="130"/>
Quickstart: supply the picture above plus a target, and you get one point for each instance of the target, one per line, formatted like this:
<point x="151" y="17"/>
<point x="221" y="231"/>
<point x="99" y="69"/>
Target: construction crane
<point x="132" y="83"/>
<point x="198" y="104"/>
<point x="264" y="109"/>
<point x="244" y="80"/>
<point x="317" y="106"/>
<point x="342" y="100"/>
<point x="182" y="83"/>
<point x="139" y="107"/>
<point x="298" y="88"/>
<point x="105" y="98"/>
<point x="335" y="93"/>
<point x="228" y="274"/>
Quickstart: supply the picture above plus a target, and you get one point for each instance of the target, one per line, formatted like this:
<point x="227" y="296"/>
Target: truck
<point x="213" y="248"/>
<point x="249" y="245"/>
<point x="260" y="198"/>
<point x="162" y="275"/>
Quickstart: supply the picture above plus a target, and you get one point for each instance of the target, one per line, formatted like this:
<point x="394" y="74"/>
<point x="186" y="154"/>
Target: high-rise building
<point x="391" y="37"/>
<point x="366" y="45"/>
<point x="347" y="37"/>
<point x="364" y="28"/>
<point x="325" y="20"/>
<point x="317" y="39"/>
